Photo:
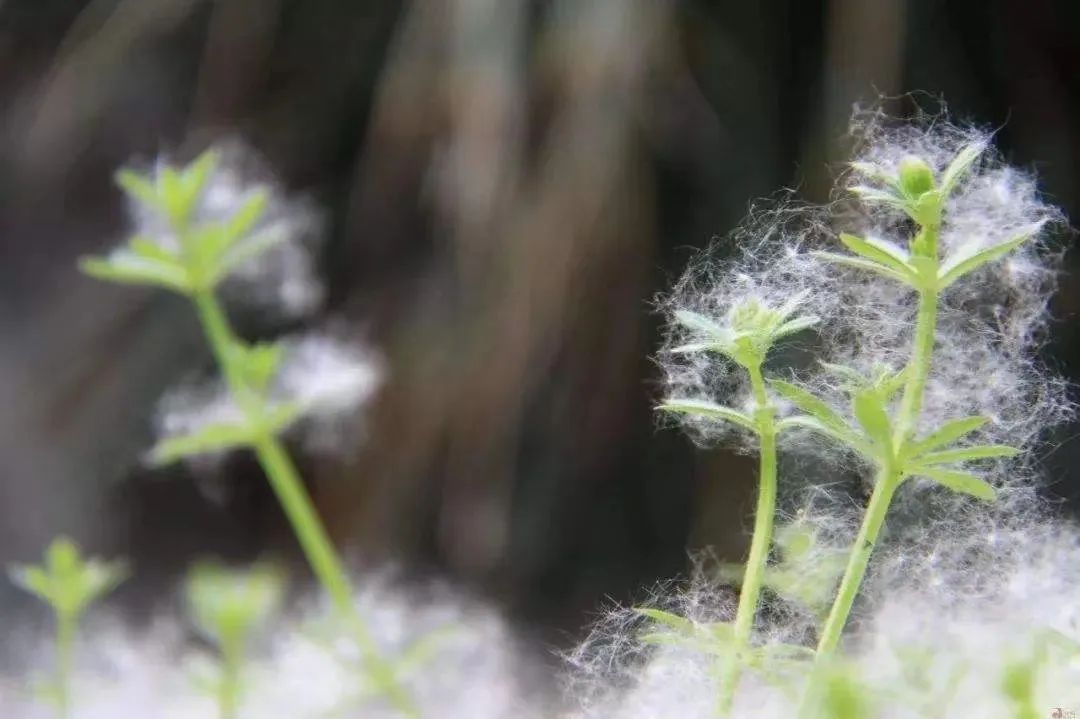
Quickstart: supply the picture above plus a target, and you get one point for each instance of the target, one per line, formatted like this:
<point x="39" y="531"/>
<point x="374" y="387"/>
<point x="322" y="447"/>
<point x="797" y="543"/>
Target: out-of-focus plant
<point x="229" y="606"/>
<point x="199" y="228"/>
<point x="69" y="584"/>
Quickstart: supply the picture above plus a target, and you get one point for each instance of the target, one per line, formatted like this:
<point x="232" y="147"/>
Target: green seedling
<point x="69" y="584"/>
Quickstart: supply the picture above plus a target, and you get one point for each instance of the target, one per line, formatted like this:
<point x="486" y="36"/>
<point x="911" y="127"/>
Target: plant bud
<point x="916" y="177"/>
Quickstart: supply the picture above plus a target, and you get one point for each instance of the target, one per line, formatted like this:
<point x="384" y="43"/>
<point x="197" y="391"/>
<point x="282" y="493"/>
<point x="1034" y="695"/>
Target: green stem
<point x="232" y="650"/>
<point x="754" y="577"/>
<point x="921" y="353"/>
<point x="66" y="624"/>
<point x="297" y="505"/>
<point x="889" y="477"/>
<point x="858" y="560"/>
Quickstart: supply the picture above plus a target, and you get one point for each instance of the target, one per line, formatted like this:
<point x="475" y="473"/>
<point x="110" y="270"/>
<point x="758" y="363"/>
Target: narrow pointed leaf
<point x="248" y="249"/>
<point x="882" y="255"/>
<point x="796" y="325"/>
<point x="807" y="402"/>
<point x="843" y="435"/>
<point x="670" y="620"/>
<point x="139" y="189"/>
<point x="151" y="251"/>
<point x="209" y="439"/>
<point x="853" y="377"/>
<point x="894" y="384"/>
<point x="870" y="412"/>
<point x="964" y="454"/>
<point x="241" y="223"/>
<point x="701" y="323"/>
<point x="702" y="408"/>
<point x="700" y="347"/>
<point x="871" y="194"/>
<point x="947" y="434"/>
<point x="960" y="165"/>
<point x="132" y="270"/>
<point x="963" y="482"/>
<point x="956" y="267"/>
<point x="863" y="264"/>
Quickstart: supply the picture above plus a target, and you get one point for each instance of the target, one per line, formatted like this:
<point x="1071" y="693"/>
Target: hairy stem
<point x="754" y="576"/>
<point x="297" y="505"/>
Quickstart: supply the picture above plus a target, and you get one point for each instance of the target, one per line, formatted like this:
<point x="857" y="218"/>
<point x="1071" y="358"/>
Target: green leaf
<point x="139" y="188"/>
<point x="700" y="347"/>
<point x="245" y="218"/>
<point x="672" y="621"/>
<point x="796" y="325"/>
<point x="810" y="404"/>
<point x="196" y="174"/>
<point x="962" y="263"/>
<point x="702" y="408"/>
<point x="842" y="435"/>
<point x="963" y="482"/>
<point x="151" y="251"/>
<point x="948" y="433"/>
<point x="893" y="383"/>
<point x="862" y="264"/>
<point x="33" y="580"/>
<point x="871" y="194"/>
<point x="249" y="248"/>
<point x="701" y="323"/>
<point x="211" y="438"/>
<point x="870" y="412"/>
<point x="128" y="269"/>
<point x="882" y="254"/>
<point x="964" y="454"/>
<point x="960" y="165"/>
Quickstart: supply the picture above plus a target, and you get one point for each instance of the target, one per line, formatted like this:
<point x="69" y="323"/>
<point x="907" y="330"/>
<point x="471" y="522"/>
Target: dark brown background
<point x="506" y="185"/>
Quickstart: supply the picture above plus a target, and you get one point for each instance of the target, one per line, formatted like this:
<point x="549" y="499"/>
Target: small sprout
<point x="750" y="330"/>
<point x="69" y="584"/>
<point x="916" y="177"/>
<point x="228" y="606"/>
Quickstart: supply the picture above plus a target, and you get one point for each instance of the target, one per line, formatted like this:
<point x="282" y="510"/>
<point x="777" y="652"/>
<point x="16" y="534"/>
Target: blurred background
<point x="505" y="186"/>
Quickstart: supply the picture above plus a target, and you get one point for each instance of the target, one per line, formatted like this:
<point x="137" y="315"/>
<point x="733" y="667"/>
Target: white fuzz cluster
<point x="326" y="378"/>
<point x="279" y="279"/>
<point x="967" y="604"/>
<point x="769" y="265"/>
<point x="458" y="659"/>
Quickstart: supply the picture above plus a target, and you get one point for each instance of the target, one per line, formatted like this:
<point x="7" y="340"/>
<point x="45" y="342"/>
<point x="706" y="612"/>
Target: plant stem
<point x="922" y="350"/>
<point x="66" y="623"/>
<point x="858" y="560"/>
<point x="232" y="649"/>
<point x="754" y="576"/>
<point x="297" y="505"/>
<point x="889" y="476"/>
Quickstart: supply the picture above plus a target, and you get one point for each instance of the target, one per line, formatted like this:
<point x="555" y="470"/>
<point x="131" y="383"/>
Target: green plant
<point x="745" y="338"/>
<point x="228" y="606"/>
<point x="202" y="240"/>
<point x="68" y="584"/>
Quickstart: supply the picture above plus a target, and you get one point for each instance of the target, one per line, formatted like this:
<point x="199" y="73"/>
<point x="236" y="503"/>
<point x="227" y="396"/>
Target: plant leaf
<point x="812" y="405"/>
<point x="870" y="412"/>
<point x="701" y="323"/>
<point x="879" y="253"/>
<point x="672" y="621"/>
<point x="962" y="263"/>
<point x="129" y="269"/>
<point x="862" y="264"/>
<point x="947" y="433"/>
<point x="139" y="188"/>
<point x="211" y="438"/>
<point x="963" y="482"/>
<point x="964" y="454"/>
<point x="843" y="435"/>
<point x="249" y="248"/>
<point x="710" y="410"/>
<point x="959" y="165"/>
<point x="796" y="325"/>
